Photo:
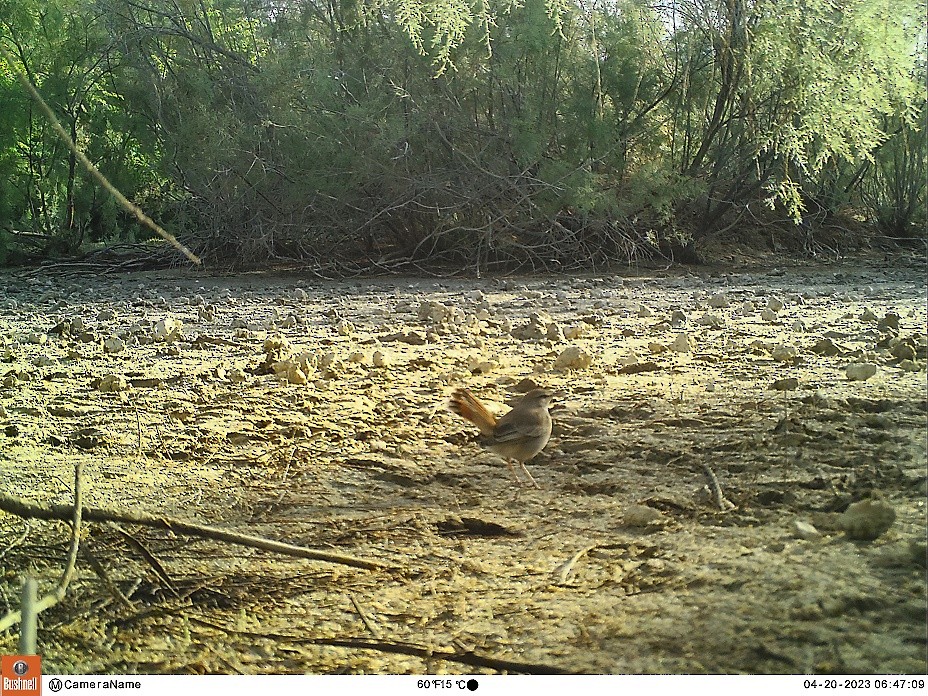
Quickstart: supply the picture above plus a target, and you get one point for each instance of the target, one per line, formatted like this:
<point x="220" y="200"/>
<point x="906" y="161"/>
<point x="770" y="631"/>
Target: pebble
<point x="641" y="516"/>
<point x="859" y="372"/>
<point x="866" y="520"/>
<point x="774" y="304"/>
<point x="768" y="314"/>
<point x="711" y="320"/>
<point x="113" y="383"/>
<point x="573" y="358"/>
<point x="380" y="359"/>
<point x="681" y="343"/>
<point x="784" y="353"/>
<point x="806" y="531"/>
<point x="719" y="300"/>
<point x="113" y="344"/>
<point x="167" y="329"/>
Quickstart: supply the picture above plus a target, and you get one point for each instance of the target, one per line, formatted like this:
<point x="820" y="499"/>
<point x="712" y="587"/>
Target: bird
<point x="518" y="435"/>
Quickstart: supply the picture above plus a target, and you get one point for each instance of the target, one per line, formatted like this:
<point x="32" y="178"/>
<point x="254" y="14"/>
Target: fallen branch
<point x="23" y="508"/>
<point x="389" y="646"/>
<point x="51" y="599"/>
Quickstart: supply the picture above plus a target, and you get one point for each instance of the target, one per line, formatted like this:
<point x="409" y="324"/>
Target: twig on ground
<point x="388" y="646"/>
<point x="98" y="568"/>
<point x="23" y="508"/>
<point x="58" y="593"/>
<point x="371" y="626"/>
<point x="715" y="488"/>
<point x="566" y="567"/>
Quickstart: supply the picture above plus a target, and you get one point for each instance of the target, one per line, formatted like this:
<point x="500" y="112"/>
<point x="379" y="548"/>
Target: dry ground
<point x="621" y="563"/>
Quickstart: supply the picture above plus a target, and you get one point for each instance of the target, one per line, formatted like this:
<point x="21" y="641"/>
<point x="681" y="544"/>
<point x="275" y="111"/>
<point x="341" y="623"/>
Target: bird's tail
<point x="469" y="408"/>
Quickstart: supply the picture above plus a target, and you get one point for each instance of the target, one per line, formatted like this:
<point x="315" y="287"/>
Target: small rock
<point x="380" y="359"/>
<point x="681" y="343"/>
<point x="719" y="300"/>
<point x="555" y="333"/>
<point x="677" y="319"/>
<point x="711" y="320"/>
<point x="641" y="516"/>
<point x="867" y="519"/>
<point x="768" y="314"/>
<point x="748" y="308"/>
<point x="890" y="321"/>
<point x="167" y="329"/>
<point x="827" y="347"/>
<point x="113" y="344"/>
<point x="644" y="312"/>
<point x="573" y="358"/>
<point x="113" y="383"/>
<point x="774" y="304"/>
<point x="868" y="315"/>
<point x="806" y="531"/>
<point x="784" y="353"/>
<point x="908" y="366"/>
<point x="860" y="371"/>
<point x="106" y="315"/>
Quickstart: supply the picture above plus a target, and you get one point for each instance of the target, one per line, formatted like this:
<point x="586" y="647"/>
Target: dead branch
<point x="128" y="205"/>
<point x="58" y="593"/>
<point x="23" y="508"/>
<point x="396" y="647"/>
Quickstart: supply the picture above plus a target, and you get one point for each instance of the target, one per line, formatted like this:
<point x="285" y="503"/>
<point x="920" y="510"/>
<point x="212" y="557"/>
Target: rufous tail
<point x="469" y="408"/>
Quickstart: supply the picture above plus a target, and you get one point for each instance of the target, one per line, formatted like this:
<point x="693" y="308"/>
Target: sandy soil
<point x="256" y="403"/>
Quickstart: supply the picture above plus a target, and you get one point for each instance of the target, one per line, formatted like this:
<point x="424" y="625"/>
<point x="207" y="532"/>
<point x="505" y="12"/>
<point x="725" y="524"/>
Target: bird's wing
<point x="521" y="425"/>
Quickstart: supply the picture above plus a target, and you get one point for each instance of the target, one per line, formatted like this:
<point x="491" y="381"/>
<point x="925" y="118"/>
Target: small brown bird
<point x="517" y="436"/>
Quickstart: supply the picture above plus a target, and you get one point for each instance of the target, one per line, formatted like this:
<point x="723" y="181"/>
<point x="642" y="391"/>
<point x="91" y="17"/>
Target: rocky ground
<point x="313" y="412"/>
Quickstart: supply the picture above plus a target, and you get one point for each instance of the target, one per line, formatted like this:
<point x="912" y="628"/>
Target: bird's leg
<point x="530" y="478"/>
<point x="515" y="474"/>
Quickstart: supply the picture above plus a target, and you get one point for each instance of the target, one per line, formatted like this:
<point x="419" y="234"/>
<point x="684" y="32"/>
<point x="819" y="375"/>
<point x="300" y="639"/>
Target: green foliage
<point x="894" y="187"/>
<point x="509" y="131"/>
<point x="837" y="75"/>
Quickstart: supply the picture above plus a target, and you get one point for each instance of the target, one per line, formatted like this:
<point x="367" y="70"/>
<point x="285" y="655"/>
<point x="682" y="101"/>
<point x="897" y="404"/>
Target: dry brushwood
<point x="51" y="599"/>
<point x="23" y="508"/>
